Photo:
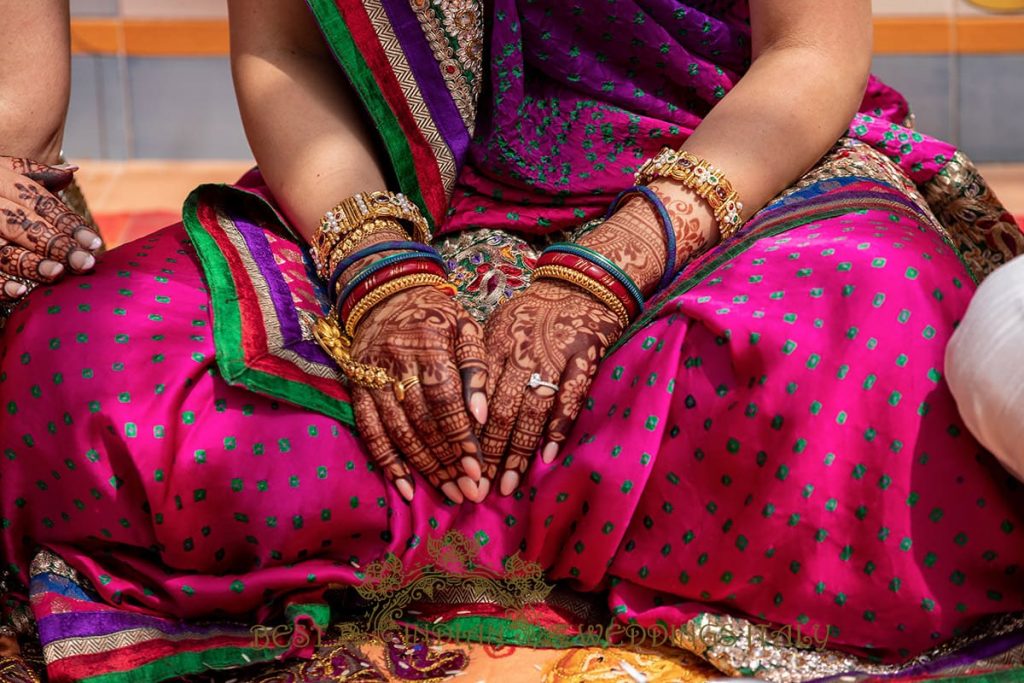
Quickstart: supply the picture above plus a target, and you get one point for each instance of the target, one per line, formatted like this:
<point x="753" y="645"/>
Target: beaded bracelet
<point x="599" y="291"/>
<point x="605" y="263"/>
<point x="382" y="264"/>
<point x="699" y="175"/>
<point x="666" y="225"/>
<point x="389" y="289"/>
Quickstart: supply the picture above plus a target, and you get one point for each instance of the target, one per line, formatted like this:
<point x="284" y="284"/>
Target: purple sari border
<point x="284" y="307"/>
<point x="263" y="258"/>
<point x="426" y="71"/>
<point x="81" y="624"/>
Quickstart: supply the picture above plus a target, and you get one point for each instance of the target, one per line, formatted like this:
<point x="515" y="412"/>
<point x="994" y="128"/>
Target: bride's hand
<point x="560" y="333"/>
<point x="40" y="236"/>
<point x="426" y="334"/>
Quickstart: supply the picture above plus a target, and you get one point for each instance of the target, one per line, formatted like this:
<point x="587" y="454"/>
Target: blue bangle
<point x="666" y="224"/>
<point x="377" y="266"/>
<point x="377" y="248"/>
<point x="604" y="262"/>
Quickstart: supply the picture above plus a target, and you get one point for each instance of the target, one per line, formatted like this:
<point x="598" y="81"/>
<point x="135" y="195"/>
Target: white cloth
<point x="985" y="365"/>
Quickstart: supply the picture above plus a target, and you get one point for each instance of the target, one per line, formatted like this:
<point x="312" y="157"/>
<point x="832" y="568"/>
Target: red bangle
<point x="377" y="279"/>
<point x="594" y="272"/>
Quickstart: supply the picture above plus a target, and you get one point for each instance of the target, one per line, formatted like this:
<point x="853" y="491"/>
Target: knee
<point x="983" y="365"/>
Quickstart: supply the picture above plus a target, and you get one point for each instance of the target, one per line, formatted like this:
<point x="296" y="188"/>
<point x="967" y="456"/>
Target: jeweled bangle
<point x="666" y="226"/>
<point x="373" y="249"/>
<point x="353" y="212"/>
<point x="600" y="292"/>
<point x="378" y="226"/>
<point x="708" y="182"/>
<point x="387" y="290"/>
<point x="386" y="263"/>
<point x="604" y="262"/>
<point x="382" y="277"/>
<point x="331" y="339"/>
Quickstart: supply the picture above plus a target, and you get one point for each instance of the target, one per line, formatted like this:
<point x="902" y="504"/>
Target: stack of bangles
<point x="401" y="264"/>
<point x="604" y="279"/>
<point x="595" y="273"/>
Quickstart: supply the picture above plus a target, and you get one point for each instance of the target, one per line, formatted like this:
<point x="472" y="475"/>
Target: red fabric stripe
<point x="358" y="23"/>
<point x="134" y="656"/>
<point x="254" y="338"/>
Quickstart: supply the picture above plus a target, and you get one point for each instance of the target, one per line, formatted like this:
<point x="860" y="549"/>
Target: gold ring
<point x="403" y="385"/>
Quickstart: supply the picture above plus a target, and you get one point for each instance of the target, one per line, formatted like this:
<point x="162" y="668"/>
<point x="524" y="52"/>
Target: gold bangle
<point x="386" y="290"/>
<point x="358" y="209"/>
<point x="340" y="251"/>
<point x="600" y="292"/>
<point x="708" y="182"/>
<point x="328" y="334"/>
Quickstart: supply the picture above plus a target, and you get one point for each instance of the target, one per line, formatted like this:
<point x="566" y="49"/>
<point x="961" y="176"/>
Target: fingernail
<point x="478" y="406"/>
<point x="405" y="488"/>
<point x="452" y="491"/>
<point x="50" y="268"/>
<point x="483" y="488"/>
<point x="15" y="289"/>
<point x="81" y="260"/>
<point x="67" y="167"/>
<point x="509" y="482"/>
<point x="471" y="466"/>
<point x="550" y="453"/>
<point x="469" y="488"/>
<point x="89" y="240"/>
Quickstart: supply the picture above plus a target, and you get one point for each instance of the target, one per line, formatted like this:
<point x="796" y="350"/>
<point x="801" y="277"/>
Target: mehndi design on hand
<point x="424" y="333"/>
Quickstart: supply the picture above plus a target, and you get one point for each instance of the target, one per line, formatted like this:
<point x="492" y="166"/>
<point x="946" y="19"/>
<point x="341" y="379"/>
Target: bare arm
<point x="306" y="129"/>
<point x="811" y="63"/>
<point x="35" y="78"/>
<point x="304" y="123"/>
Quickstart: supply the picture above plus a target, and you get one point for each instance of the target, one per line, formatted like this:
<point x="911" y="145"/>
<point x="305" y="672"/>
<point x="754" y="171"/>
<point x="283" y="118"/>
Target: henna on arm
<point x="635" y="240"/>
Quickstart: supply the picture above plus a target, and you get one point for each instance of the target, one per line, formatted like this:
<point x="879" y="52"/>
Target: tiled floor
<point x="130" y="199"/>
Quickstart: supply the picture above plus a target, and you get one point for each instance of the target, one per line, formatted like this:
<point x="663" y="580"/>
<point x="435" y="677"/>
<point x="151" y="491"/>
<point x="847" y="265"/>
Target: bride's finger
<point x="533" y="415"/>
<point x="444" y="401"/>
<point x="503" y="413"/>
<point x="470" y="357"/>
<point x="432" y="434"/>
<point x="572" y="392"/>
<point x="412" y="447"/>
<point x="376" y="439"/>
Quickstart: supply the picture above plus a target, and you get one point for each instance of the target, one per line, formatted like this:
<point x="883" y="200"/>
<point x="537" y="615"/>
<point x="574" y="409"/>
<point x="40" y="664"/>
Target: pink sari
<point x="772" y="441"/>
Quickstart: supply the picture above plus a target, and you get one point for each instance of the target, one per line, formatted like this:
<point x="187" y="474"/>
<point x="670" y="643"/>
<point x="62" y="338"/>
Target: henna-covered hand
<point x="40" y="236"/>
<point x="560" y="332"/>
<point x="424" y="333"/>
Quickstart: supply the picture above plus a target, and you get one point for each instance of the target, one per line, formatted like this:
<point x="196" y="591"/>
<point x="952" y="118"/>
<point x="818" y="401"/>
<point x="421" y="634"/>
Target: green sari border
<point x="348" y="56"/>
<point x="227" y="323"/>
<point x="188" y="663"/>
<point x="746" y="242"/>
